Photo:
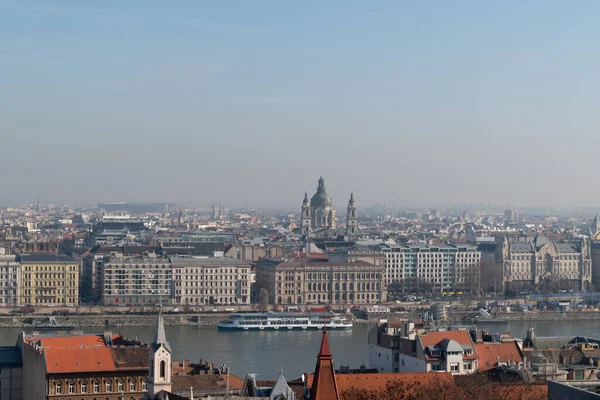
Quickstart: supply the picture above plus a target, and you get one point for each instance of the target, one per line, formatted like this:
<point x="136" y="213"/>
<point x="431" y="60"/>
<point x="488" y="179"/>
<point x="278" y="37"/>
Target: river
<point x="295" y="351"/>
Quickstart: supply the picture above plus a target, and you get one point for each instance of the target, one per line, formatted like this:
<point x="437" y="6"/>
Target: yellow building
<point x="49" y="279"/>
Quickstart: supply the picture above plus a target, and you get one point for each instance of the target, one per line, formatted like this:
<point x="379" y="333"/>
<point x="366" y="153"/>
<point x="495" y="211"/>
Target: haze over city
<point x="250" y="102"/>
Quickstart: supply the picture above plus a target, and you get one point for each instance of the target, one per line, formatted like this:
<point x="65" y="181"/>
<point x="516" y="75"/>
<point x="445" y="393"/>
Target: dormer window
<point x="436" y="353"/>
<point x="467" y="352"/>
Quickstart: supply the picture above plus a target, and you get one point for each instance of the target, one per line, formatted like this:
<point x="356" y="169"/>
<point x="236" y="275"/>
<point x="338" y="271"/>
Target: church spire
<point x="324" y="386"/>
<point x="159" y="377"/>
<point x="160" y="336"/>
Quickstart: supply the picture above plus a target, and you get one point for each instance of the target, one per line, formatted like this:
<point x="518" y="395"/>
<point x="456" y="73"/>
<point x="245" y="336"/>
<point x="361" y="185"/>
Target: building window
<point x="96" y="387"/>
<point x="454" y="367"/>
<point x="71" y="388"/>
<point x="163" y="367"/>
<point x="467" y="365"/>
<point x="435" y="367"/>
<point x="132" y="386"/>
<point x="121" y="386"/>
<point x="144" y="385"/>
<point x="108" y="386"/>
<point x="58" y="388"/>
<point x="83" y="387"/>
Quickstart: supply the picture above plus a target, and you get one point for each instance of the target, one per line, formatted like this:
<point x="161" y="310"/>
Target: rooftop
<point x="45" y="258"/>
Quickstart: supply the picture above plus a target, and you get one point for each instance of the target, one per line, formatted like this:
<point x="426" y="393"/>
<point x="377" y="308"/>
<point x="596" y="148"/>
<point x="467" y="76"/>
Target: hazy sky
<point x="248" y="102"/>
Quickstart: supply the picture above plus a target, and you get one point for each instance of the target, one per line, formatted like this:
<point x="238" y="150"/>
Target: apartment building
<point x="444" y="267"/>
<point x="10" y="280"/>
<point x="398" y="347"/>
<point x="83" y="366"/>
<point x="137" y="280"/>
<point x="49" y="279"/>
<point x="316" y="282"/>
<point x="214" y="280"/>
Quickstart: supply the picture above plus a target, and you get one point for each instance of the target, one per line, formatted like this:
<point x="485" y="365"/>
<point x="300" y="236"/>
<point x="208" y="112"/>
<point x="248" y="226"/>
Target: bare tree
<point x="491" y="276"/>
<point x="263" y="300"/>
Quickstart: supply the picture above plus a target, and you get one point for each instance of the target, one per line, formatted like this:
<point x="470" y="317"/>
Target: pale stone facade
<point x="221" y="280"/>
<point x="336" y="283"/>
<point x="49" y="279"/>
<point x="543" y="264"/>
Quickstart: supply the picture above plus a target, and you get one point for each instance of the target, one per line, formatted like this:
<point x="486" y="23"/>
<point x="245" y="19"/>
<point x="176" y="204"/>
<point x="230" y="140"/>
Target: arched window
<point x="163" y="367"/>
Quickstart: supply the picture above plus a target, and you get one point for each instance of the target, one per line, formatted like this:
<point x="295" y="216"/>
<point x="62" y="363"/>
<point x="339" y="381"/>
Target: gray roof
<point x="45" y="258"/>
<point x="521" y="248"/>
<point x="208" y="262"/>
<point x="449" y="345"/>
<point x="160" y="338"/>
<point x="281" y="388"/>
<point x="10" y="356"/>
<point x="566" y="248"/>
<point x="551" y="342"/>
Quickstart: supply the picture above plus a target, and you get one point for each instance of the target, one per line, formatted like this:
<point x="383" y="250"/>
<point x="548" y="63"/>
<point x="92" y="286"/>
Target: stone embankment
<point x="544" y="316"/>
<point x="110" y="320"/>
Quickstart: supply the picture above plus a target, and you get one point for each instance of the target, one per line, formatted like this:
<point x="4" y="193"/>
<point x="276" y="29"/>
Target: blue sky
<point x="424" y="102"/>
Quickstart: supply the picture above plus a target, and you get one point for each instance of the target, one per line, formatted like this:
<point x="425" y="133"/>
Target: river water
<point x="295" y="351"/>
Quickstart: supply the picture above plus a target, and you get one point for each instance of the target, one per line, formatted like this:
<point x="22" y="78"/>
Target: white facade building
<point x="10" y="280"/>
<point x="445" y="266"/>
<point x="214" y="280"/>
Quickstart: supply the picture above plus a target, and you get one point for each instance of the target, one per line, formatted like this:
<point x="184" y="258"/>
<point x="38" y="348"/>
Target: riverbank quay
<point x="109" y="320"/>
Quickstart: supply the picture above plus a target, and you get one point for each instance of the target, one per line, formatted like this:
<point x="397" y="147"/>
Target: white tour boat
<point x="284" y="321"/>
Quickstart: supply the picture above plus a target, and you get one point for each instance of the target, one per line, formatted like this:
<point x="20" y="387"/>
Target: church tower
<point x="305" y="224"/>
<point x="160" y="361"/>
<point x="351" y="218"/>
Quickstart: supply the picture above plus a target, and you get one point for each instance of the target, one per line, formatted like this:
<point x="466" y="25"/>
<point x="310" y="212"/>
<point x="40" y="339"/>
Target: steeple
<point x="305" y="201"/>
<point x="321" y="183"/>
<point x="160" y="337"/>
<point x="324" y="386"/>
<point x="305" y="223"/>
<point x="595" y="228"/>
<point x="159" y="376"/>
<point x="351" y="217"/>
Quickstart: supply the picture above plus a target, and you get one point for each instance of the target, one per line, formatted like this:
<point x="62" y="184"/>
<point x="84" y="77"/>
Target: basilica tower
<point x="305" y="223"/>
<point x="351" y="218"/>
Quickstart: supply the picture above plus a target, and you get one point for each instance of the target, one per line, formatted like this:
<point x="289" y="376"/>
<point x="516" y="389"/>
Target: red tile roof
<point x="77" y="353"/>
<point x="324" y="387"/>
<point x="492" y="353"/>
<point x="378" y="381"/>
<point x="433" y="338"/>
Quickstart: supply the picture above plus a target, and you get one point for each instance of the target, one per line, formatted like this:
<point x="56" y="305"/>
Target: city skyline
<point x="400" y="103"/>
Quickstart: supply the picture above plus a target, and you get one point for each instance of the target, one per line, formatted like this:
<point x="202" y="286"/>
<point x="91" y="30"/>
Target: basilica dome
<point x="321" y="198"/>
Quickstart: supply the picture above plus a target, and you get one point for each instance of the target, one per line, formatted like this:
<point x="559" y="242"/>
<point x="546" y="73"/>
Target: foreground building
<point x="315" y="282"/>
<point x="400" y="348"/>
<point x="540" y="263"/>
<point x="326" y="384"/>
<point x="444" y="267"/>
<point x="83" y="366"/>
<point x="49" y="279"/>
<point x="11" y="373"/>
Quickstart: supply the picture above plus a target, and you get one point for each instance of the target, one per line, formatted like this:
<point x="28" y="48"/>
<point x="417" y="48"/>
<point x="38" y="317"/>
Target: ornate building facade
<point x="544" y="264"/>
<point x="335" y="283"/>
<point x="595" y="252"/>
<point x="318" y="214"/>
